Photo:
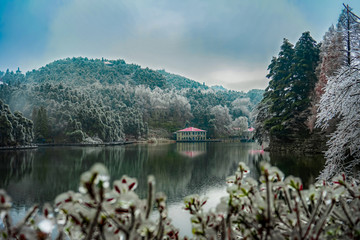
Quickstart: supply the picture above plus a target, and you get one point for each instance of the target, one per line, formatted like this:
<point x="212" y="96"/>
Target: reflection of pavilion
<point x="191" y="149"/>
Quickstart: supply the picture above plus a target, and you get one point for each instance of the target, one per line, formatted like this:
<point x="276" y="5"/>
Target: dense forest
<point x="95" y="100"/>
<point x="14" y="127"/>
<point x="313" y="97"/>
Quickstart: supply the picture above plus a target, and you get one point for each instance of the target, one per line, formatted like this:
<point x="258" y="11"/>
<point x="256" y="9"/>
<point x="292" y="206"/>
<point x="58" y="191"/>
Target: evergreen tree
<point x="41" y="124"/>
<point x="292" y="80"/>
<point x="281" y="76"/>
<point x="15" y="129"/>
<point x="305" y="62"/>
<point x="6" y="138"/>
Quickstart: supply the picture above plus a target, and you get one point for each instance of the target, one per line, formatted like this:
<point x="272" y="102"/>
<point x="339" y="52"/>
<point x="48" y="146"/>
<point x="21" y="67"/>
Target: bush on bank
<point x="272" y="208"/>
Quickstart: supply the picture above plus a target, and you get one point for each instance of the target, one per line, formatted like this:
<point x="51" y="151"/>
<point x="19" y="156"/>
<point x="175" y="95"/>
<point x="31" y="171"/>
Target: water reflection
<point x="38" y="176"/>
<point x="307" y="167"/>
<point x="14" y="165"/>
<point x="191" y="149"/>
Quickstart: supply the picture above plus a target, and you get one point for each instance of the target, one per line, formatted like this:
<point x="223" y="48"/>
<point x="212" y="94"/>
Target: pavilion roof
<point x="191" y="129"/>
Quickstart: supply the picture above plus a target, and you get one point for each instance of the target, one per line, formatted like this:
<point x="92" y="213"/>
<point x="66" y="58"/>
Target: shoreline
<point x="105" y="144"/>
<point x="25" y="147"/>
<point x="35" y="146"/>
<point x="196" y="141"/>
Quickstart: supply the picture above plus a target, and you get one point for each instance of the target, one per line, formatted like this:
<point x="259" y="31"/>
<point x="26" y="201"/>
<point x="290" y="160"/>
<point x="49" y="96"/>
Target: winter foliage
<point x="340" y="102"/>
<point x="15" y="129"/>
<point x="274" y="207"/>
<point x="86" y="100"/>
<point x="317" y="86"/>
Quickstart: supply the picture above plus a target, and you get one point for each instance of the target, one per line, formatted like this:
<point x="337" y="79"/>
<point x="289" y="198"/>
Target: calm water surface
<point x="181" y="169"/>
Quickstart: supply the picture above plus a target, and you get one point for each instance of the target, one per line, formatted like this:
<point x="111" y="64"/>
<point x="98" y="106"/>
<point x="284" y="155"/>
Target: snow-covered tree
<point x="221" y="120"/>
<point x="331" y="57"/>
<point x="259" y="115"/>
<point x="239" y="125"/>
<point x="341" y="101"/>
<point x="240" y="107"/>
<point x="331" y="60"/>
<point x="349" y="28"/>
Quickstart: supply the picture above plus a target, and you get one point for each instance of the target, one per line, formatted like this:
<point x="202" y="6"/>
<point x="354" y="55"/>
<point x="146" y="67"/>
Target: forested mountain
<point x="83" y="71"/>
<point x="80" y="99"/>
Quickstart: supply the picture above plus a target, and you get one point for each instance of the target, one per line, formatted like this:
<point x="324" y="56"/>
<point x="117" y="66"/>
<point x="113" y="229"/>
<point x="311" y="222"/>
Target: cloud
<point x="199" y="39"/>
<point x="186" y="36"/>
<point x="242" y="77"/>
<point x="24" y="30"/>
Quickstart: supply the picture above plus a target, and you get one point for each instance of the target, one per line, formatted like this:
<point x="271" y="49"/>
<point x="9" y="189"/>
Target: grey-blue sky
<point x="228" y="42"/>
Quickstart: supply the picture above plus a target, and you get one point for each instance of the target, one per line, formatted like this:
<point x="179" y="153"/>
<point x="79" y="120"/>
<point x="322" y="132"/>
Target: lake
<point x="180" y="169"/>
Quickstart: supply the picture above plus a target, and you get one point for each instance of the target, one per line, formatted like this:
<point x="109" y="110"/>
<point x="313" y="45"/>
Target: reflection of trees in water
<point x="307" y="167"/>
<point x="14" y="165"/>
<point x="254" y="160"/>
<point x="39" y="176"/>
<point x="172" y="172"/>
<point x="54" y="170"/>
<point x="220" y="161"/>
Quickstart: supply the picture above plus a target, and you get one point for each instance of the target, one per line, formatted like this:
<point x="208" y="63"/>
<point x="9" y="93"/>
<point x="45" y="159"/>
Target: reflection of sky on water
<point x="181" y="218"/>
<point x="18" y="213"/>
<point x="39" y="176"/>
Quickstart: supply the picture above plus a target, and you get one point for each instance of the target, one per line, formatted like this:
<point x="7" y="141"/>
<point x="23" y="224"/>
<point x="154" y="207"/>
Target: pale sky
<point x="219" y="42"/>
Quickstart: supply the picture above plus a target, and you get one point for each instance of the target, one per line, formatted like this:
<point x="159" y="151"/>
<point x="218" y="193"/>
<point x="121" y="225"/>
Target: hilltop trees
<point x="12" y="78"/>
<point x="150" y="78"/>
